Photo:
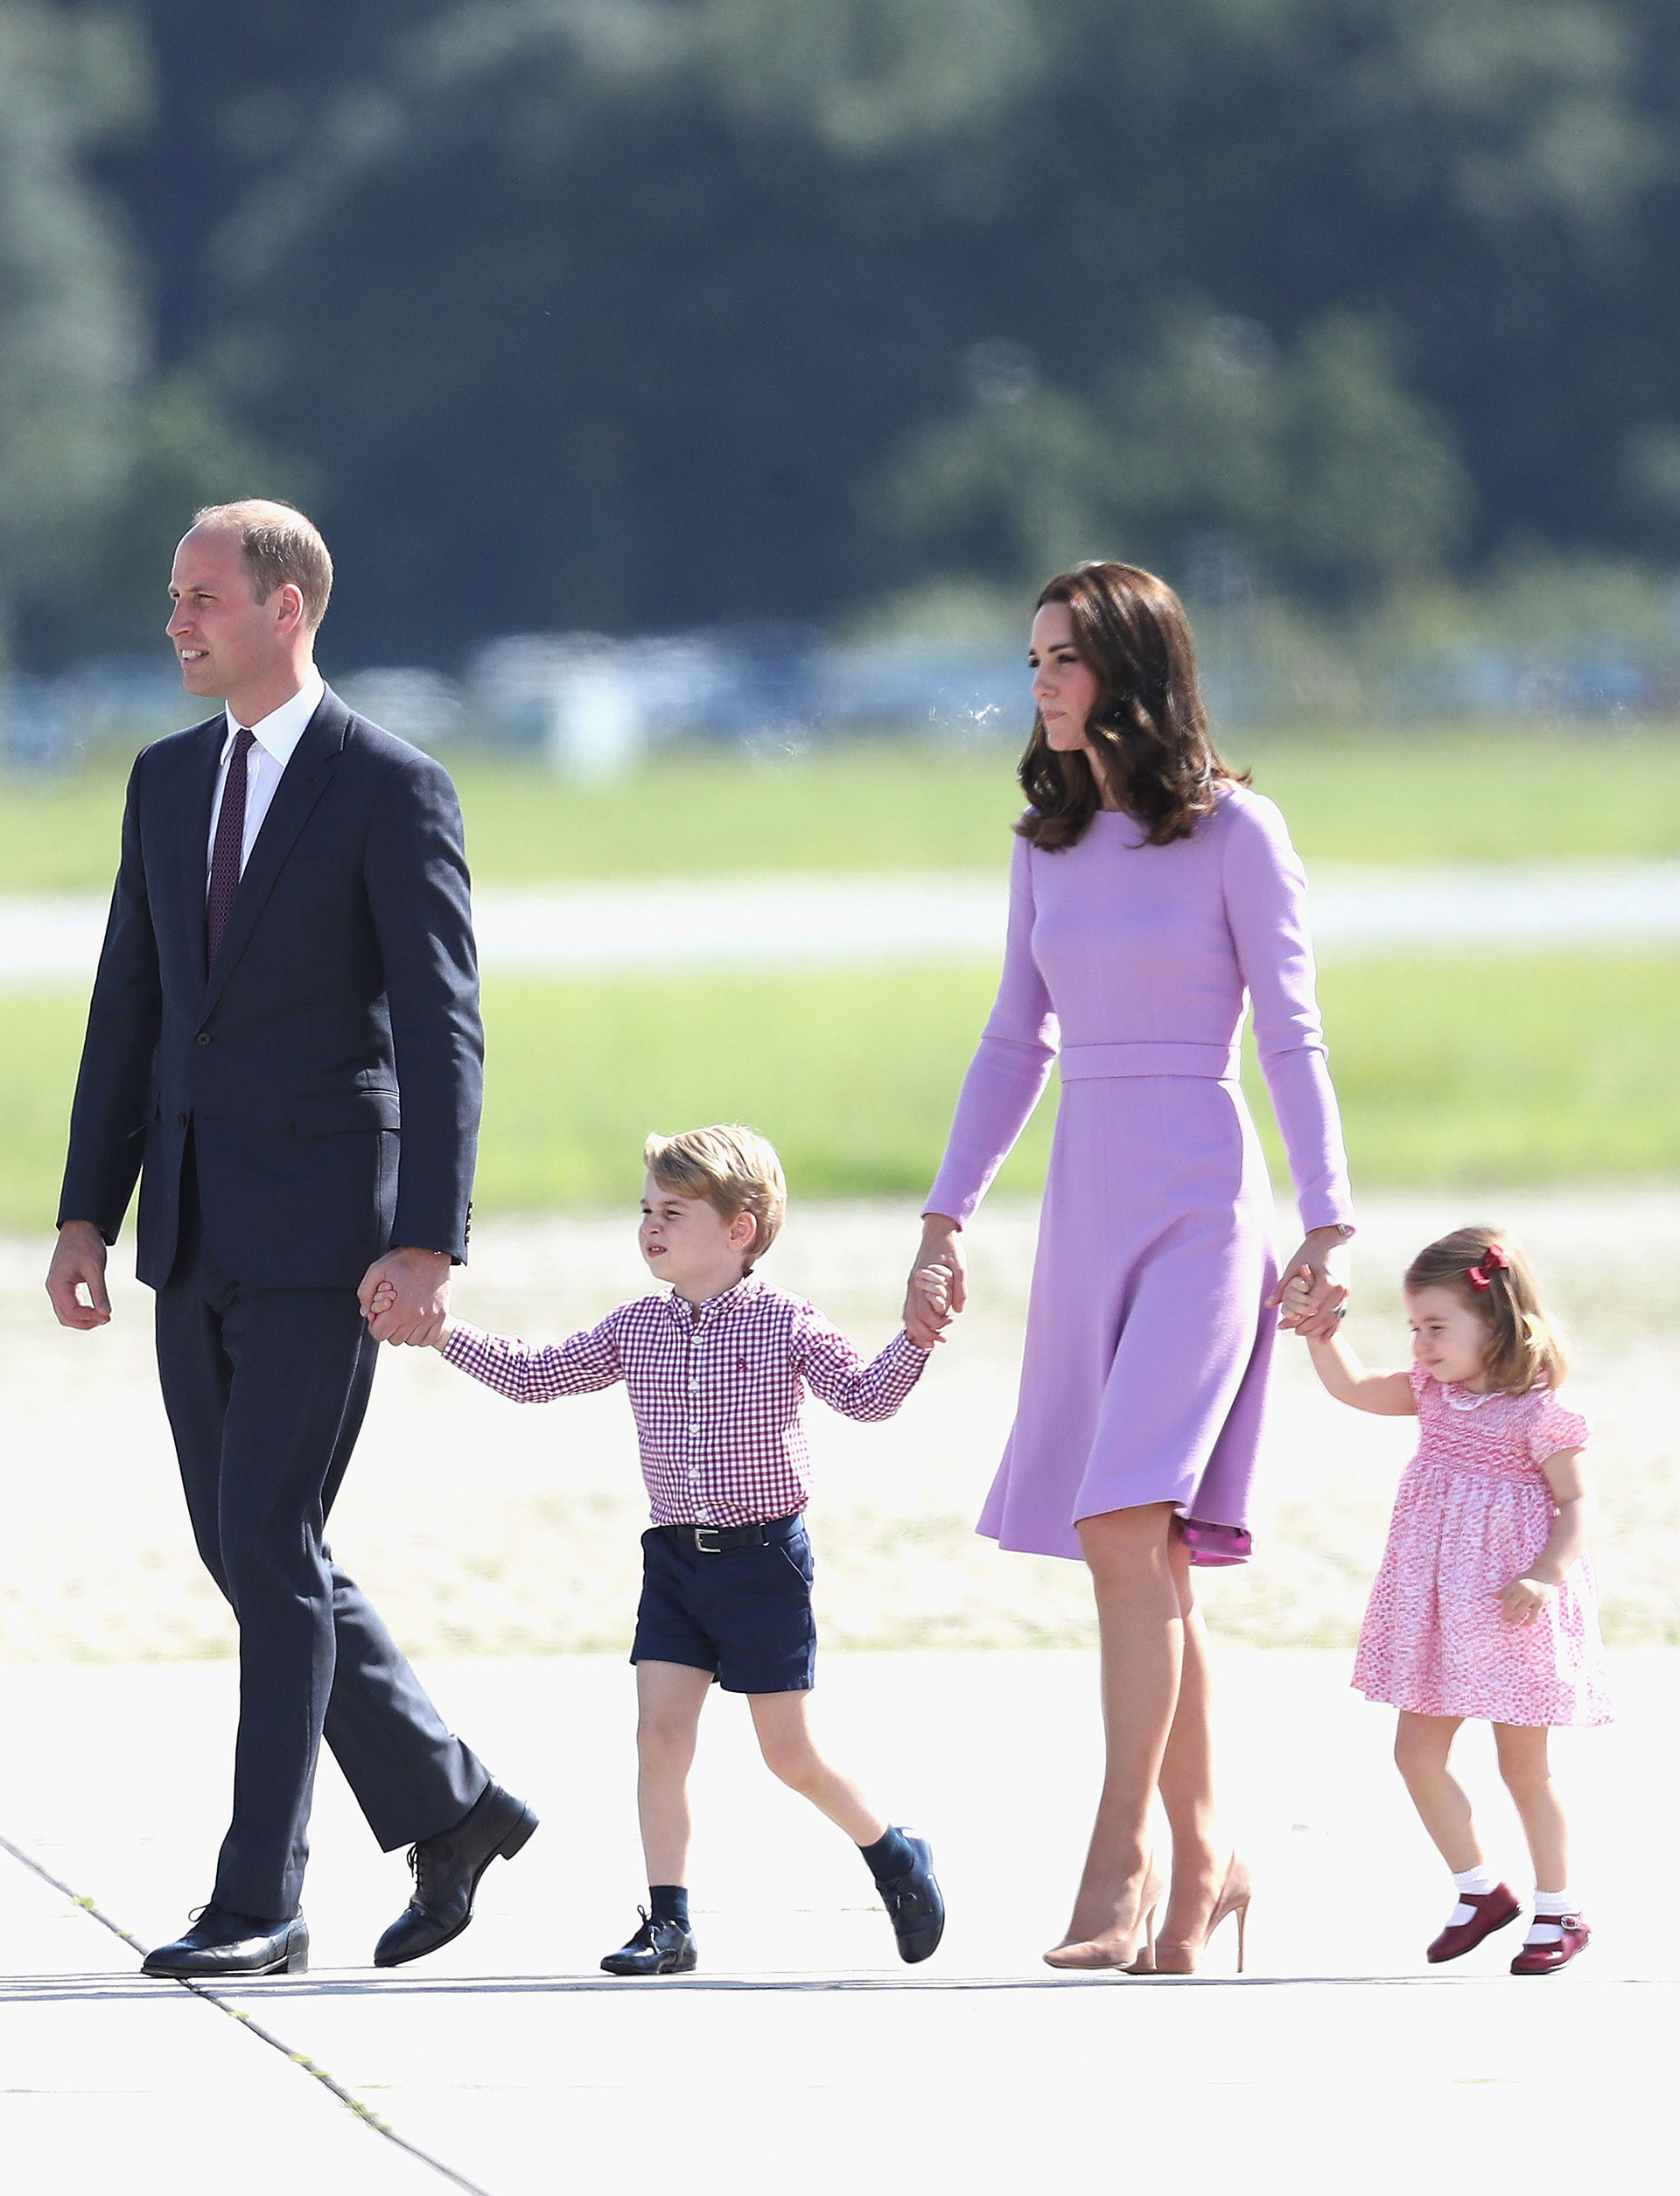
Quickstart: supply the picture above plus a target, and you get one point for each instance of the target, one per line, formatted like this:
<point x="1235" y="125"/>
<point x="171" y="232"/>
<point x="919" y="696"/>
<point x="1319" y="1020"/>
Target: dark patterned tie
<point x="225" y="853"/>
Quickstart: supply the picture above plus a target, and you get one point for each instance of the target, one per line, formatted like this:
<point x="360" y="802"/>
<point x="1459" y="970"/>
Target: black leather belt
<point x="717" y="1539"/>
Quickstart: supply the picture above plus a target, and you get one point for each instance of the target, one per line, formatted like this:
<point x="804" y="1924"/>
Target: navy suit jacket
<point x="329" y="1068"/>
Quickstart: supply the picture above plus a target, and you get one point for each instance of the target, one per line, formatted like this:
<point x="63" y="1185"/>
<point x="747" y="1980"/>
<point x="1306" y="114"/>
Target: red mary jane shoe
<point x="1494" y="1909"/>
<point x="1546" y="1959"/>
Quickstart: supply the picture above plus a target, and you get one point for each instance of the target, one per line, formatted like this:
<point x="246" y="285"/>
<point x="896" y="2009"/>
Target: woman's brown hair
<point x="1148" y="723"/>
<point x="1485" y="1268"/>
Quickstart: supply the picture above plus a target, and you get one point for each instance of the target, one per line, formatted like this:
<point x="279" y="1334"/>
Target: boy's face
<point x="687" y="1242"/>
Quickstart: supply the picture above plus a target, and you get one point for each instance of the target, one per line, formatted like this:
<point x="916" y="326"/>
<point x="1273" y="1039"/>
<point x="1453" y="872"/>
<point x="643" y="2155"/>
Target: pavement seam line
<point x="351" y="2103"/>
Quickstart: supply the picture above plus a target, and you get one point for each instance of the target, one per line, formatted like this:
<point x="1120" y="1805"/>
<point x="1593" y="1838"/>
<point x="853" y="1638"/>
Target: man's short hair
<point x="734" y="1169"/>
<point x="281" y="547"/>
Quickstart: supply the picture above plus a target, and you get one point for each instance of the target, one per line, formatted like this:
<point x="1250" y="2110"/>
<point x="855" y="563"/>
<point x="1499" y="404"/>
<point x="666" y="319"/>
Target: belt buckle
<point x="705" y="1532"/>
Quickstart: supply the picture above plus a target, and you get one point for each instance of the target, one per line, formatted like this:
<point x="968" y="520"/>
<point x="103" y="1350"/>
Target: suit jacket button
<point x="203" y="1037"/>
<point x="180" y="1120"/>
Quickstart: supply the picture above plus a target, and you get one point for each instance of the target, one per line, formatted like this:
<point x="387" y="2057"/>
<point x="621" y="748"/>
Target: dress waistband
<point x="1088" y="1063"/>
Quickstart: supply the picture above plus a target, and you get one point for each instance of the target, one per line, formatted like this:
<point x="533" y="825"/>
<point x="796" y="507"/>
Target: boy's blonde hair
<point x="734" y="1169"/>
<point x="1524" y="1349"/>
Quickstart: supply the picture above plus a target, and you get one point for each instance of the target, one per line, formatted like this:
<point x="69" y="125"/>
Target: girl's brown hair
<point x="1524" y="1350"/>
<point x="1148" y="723"/>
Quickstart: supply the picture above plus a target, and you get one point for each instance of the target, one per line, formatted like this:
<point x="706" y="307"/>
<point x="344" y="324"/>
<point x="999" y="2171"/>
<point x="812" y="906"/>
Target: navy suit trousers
<point x="266" y="1389"/>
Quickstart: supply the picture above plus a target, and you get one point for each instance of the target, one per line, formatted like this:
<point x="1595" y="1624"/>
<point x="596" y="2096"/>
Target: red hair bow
<point x="1494" y="1260"/>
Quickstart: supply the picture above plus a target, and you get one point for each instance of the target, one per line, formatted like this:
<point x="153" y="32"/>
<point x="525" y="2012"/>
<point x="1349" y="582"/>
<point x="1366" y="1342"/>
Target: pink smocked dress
<point x="1148" y="1340"/>
<point x="1474" y="1511"/>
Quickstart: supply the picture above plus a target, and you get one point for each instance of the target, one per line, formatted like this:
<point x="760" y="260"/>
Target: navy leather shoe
<point x="915" y="1903"/>
<point x="446" y="1872"/>
<point x="220" y="1944"/>
<point x="658" y="1947"/>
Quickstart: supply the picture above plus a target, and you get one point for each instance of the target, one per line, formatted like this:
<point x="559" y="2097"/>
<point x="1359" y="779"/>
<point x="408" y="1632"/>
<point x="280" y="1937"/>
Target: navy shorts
<point x="743" y="1613"/>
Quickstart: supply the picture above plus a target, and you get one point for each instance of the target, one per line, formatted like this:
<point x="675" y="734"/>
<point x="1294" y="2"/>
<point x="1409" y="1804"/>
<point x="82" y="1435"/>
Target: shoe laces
<point x="422" y="1859"/>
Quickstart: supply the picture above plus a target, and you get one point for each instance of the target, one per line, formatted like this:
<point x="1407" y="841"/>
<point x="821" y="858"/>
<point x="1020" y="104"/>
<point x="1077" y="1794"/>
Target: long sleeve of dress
<point x="1007" y="1075"/>
<point x="1265" y="907"/>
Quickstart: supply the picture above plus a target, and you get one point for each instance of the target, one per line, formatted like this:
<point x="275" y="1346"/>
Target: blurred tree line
<point x="639" y="314"/>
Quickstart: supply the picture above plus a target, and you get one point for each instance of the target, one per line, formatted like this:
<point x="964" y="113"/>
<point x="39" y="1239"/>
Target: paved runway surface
<point x="802" y="2055"/>
<point x="749" y="920"/>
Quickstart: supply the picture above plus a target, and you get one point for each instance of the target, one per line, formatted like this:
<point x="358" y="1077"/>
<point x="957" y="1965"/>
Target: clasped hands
<point x="404" y="1296"/>
<point x="938" y="1287"/>
<point x="1314" y="1286"/>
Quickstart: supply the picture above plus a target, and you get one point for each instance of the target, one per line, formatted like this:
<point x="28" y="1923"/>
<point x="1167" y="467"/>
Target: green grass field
<point x="1435" y="796"/>
<point x="1480" y="1074"/>
<point x="1523" y="1067"/>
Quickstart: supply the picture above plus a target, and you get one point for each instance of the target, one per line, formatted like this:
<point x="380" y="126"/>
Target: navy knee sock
<point x="891" y="1855"/>
<point x="669" y="1902"/>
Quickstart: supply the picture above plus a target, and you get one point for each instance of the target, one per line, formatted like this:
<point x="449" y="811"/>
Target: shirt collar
<point x="278" y="733"/>
<point x="717" y="1307"/>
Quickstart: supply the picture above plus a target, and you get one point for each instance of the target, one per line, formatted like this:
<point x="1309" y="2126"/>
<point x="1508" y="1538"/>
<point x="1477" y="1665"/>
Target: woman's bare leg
<point x="1421" y="1746"/>
<point x="1142" y="1632"/>
<point x="669" y="1696"/>
<point x="1199" y="1858"/>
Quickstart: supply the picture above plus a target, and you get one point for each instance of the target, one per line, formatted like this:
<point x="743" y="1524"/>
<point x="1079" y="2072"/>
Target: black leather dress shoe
<point x="658" y="1947"/>
<point x="446" y="1872"/>
<point x="220" y="1944"/>
<point x="915" y="1904"/>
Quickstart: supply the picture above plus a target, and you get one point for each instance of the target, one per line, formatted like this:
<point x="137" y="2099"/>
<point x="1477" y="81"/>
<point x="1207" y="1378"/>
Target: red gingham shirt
<point x="717" y="1399"/>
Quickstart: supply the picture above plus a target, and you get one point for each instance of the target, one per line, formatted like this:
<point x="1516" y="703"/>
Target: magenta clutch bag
<point x="1214" y="1547"/>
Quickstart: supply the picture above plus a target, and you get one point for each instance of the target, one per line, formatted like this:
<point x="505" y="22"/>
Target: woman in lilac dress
<point x="1153" y="896"/>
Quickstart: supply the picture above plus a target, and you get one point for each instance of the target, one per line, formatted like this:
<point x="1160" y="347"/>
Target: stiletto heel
<point x="1234" y="1896"/>
<point x="1090" y="1953"/>
<point x="1154" y="1891"/>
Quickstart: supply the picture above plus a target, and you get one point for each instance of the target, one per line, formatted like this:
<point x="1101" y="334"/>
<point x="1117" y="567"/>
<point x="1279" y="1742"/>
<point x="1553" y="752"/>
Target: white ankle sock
<point x="1477" y="1881"/>
<point x="1548" y="1906"/>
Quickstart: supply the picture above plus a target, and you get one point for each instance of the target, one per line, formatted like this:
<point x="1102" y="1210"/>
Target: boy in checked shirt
<point x="716" y="1371"/>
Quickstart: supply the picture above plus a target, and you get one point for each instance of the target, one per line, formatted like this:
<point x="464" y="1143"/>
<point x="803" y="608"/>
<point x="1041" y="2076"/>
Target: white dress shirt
<point x="276" y="737"/>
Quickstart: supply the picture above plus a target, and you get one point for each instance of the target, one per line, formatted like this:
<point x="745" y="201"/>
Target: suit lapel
<point x="202" y="766"/>
<point x="301" y="783"/>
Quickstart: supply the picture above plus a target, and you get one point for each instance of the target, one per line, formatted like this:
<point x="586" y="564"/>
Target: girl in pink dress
<point x="1484" y="1606"/>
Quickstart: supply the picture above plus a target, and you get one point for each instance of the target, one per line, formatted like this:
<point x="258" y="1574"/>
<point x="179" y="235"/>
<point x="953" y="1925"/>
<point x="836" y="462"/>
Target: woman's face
<point x="1064" y="687"/>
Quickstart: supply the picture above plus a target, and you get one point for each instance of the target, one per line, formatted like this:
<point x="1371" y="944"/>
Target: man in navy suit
<point x="284" y="1048"/>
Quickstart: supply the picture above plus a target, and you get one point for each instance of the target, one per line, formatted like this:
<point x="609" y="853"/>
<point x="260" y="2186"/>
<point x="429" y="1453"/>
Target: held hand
<point x="1297" y="1301"/>
<point x="413" y="1288"/>
<point x="928" y="1306"/>
<point x="941" y="1248"/>
<point x="79" y="1263"/>
<point x="1321" y="1264"/>
<point x="1525" y="1598"/>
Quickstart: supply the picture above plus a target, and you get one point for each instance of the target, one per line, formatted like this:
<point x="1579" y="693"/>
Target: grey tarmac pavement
<point x="803" y="2054"/>
<point x="753" y="921"/>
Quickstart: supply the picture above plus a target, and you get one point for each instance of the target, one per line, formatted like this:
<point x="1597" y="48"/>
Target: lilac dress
<point x="1148" y="1341"/>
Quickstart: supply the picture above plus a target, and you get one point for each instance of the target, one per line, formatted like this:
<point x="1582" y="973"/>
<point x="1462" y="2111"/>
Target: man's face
<point x="224" y="638"/>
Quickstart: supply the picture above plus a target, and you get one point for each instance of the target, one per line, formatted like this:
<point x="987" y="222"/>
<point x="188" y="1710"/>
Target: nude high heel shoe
<point x="1090" y="1954"/>
<point x="1234" y="1896"/>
